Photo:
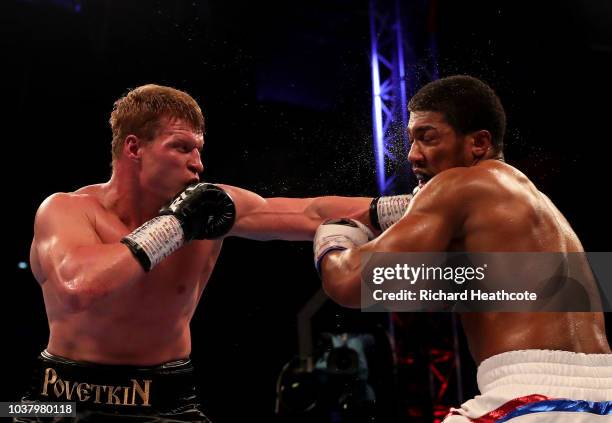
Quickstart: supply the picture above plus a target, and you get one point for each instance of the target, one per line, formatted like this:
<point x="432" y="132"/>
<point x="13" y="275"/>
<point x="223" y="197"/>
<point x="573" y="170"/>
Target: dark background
<point x="286" y="91"/>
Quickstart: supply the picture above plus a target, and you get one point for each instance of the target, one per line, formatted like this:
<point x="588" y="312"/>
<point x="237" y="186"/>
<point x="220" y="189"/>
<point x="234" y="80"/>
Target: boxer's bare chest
<point x="147" y="320"/>
<point x="172" y="287"/>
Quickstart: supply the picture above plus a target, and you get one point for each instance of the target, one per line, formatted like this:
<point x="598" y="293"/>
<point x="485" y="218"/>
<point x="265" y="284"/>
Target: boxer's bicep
<point x="416" y="232"/>
<point x="433" y="220"/>
<point x="73" y="258"/>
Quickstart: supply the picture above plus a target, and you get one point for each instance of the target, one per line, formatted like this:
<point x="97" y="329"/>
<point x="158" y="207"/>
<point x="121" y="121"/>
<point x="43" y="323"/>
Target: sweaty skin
<point x="101" y="306"/>
<point x="480" y="206"/>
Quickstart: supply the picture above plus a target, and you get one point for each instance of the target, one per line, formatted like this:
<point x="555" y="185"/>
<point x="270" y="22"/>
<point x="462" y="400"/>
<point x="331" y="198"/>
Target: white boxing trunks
<point x="540" y="386"/>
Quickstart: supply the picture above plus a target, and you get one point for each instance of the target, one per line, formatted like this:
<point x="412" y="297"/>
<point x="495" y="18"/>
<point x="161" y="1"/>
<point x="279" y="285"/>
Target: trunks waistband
<point x="105" y="386"/>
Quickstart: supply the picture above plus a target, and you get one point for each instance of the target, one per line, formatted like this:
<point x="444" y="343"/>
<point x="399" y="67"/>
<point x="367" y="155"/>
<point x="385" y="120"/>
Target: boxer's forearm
<point x="320" y="209"/>
<point x="330" y="207"/>
<point x="341" y="276"/>
<point x="292" y="219"/>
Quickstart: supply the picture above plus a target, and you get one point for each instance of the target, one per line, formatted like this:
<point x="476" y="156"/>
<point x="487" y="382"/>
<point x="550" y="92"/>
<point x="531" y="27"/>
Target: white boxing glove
<point x="339" y="234"/>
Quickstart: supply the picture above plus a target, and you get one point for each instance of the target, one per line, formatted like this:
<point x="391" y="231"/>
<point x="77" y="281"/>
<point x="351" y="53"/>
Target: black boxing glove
<point x="204" y="210"/>
<point x="201" y="211"/>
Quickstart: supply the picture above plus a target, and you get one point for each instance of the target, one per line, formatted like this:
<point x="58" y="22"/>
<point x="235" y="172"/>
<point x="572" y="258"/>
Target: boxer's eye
<point x="429" y="136"/>
<point x="183" y="148"/>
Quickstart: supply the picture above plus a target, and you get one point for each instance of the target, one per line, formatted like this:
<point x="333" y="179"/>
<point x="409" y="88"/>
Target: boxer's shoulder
<point x="460" y="189"/>
<point x="90" y="194"/>
<point x="459" y="182"/>
<point x="86" y="201"/>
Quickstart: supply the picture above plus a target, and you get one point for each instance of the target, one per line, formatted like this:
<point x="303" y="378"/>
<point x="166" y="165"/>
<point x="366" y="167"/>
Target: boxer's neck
<point x="129" y="200"/>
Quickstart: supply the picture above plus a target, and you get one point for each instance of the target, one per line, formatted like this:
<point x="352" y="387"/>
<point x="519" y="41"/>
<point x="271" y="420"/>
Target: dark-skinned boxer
<point x="532" y="366"/>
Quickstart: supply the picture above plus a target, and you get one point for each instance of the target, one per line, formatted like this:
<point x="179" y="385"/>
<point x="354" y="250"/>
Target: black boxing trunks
<point x="109" y="393"/>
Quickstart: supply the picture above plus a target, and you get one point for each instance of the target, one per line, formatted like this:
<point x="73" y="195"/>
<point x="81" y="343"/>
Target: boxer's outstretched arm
<point x="67" y="252"/>
<point x="294" y="219"/>
<point x="432" y="220"/>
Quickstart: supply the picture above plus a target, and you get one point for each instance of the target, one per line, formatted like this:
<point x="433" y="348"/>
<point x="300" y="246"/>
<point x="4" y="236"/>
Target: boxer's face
<point x="434" y="145"/>
<point x="171" y="161"/>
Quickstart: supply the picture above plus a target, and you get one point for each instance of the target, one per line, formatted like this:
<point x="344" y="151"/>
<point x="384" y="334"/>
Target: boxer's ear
<point x="481" y="143"/>
<point x="132" y="147"/>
